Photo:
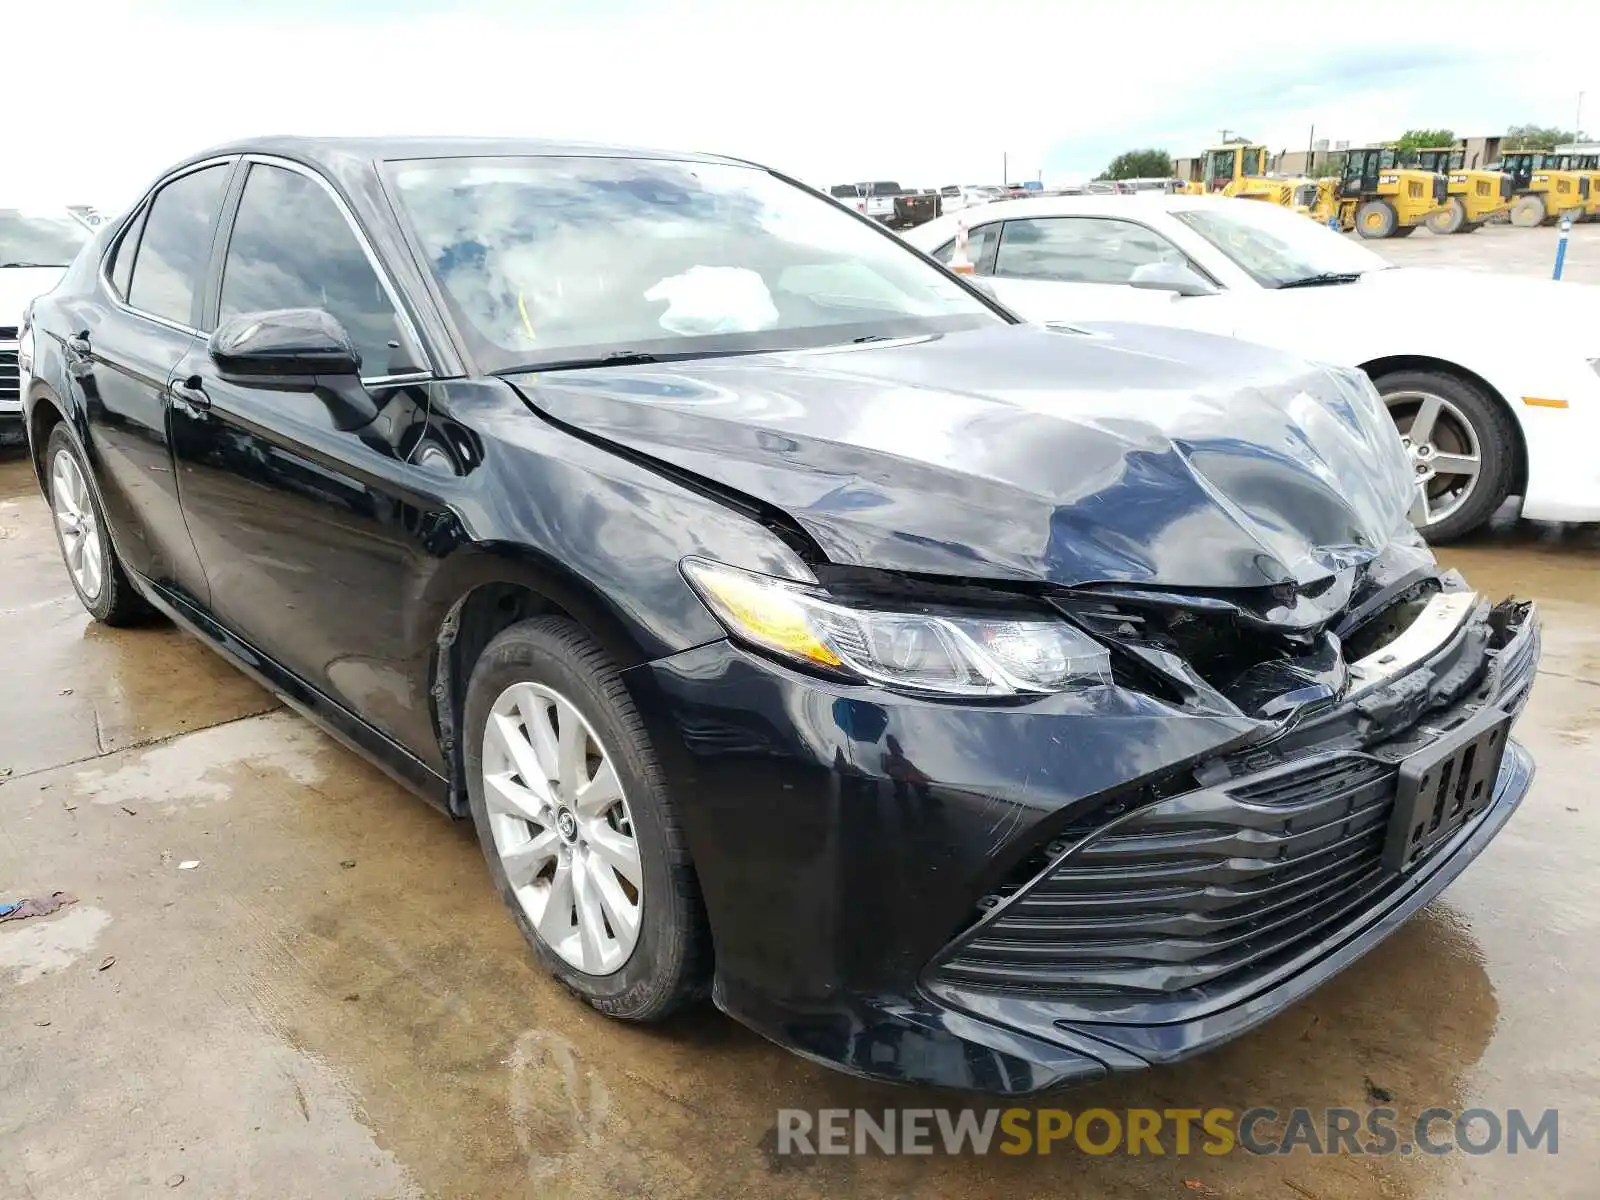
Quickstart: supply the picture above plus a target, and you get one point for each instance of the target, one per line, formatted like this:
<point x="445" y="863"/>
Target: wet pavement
<point x="333" y="1002"/>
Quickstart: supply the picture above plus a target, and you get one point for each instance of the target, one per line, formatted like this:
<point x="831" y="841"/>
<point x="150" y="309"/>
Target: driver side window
<point x="1081" y="250"/>
<point x="292" y="247"/>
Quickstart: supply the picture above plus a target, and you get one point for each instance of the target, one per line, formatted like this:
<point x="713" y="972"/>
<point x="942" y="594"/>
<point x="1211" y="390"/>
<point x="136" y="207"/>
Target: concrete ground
<point x="1500" y="248"/>
<point x="333" y="1002"/>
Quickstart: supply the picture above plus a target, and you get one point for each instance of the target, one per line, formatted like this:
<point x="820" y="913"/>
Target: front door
<point x="312" y="537"/>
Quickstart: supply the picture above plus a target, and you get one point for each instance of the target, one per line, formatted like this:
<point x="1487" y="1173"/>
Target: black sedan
<point x="955" y="700"/>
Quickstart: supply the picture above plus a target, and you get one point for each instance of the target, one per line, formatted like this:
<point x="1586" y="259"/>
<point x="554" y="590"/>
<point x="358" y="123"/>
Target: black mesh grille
<point x="1194" y="889"/>
<point x="10" y="378"/>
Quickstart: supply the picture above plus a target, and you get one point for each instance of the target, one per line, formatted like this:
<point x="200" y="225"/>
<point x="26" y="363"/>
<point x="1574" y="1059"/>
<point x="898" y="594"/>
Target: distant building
<point x="1480" y="151"/>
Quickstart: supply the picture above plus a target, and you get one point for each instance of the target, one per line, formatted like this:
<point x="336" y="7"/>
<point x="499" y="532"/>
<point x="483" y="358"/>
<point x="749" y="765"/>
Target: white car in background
<point x="1492" y="380"/>
<point x="954" y="198"/>
<point x="36" y="246"/>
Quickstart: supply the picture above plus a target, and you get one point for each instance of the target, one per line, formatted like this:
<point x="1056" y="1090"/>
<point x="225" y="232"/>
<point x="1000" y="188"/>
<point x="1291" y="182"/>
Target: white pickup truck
<point x="36" y="246"/>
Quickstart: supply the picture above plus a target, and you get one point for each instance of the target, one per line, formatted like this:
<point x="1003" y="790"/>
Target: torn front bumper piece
<point x="1010" y="899"/>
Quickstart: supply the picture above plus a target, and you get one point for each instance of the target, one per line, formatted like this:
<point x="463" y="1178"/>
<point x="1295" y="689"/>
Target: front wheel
<point x="576" y="821"/>
<point x="1528" y="212"/>
<point x="1462" y="446"/>
<point x="1376" y="219"/>
<point x="98" y="578"/>
<point x="1451" y="219"/>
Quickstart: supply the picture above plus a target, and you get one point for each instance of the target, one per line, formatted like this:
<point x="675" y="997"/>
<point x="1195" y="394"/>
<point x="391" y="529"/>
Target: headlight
<point x="948" y="653"/>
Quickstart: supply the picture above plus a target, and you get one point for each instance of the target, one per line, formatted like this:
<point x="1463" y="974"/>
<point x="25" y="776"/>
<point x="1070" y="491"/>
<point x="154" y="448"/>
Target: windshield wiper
<point x="624" y="358"/>
<point x="1321" y="280"/>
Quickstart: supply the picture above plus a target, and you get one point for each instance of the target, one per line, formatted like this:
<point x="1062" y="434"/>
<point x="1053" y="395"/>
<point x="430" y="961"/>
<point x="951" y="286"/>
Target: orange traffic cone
<point x="960" y="261"/>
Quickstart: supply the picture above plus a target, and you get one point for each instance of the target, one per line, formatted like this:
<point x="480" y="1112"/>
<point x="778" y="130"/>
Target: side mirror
<point x="296" y="349"/>
<point x="1170" y="277"/>
<point x="285" y="343"/>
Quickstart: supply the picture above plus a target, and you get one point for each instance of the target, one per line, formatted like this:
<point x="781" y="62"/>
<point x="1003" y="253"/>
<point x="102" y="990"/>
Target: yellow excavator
<point x="1587" y="165"/>
<point x="1475" y="194"/>
<point x="1221" y="166"/>
<point x="1378" y="198"/>
<point x="1543" y="193"/>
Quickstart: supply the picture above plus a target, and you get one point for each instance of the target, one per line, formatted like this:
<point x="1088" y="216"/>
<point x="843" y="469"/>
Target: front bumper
<point x="852" y="844"/>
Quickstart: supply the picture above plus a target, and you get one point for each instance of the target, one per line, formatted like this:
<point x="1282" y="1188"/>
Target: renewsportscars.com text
<point x="1162" y="1131"/>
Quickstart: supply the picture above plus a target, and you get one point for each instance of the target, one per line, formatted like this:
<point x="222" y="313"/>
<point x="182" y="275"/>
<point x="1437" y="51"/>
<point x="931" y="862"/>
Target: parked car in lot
<point x="954" y="198"/>
<point x="1492" y="380"/>
<point x="36" y="246"/>
<point x="957" y="700"/>
<point x="895" y="206"/>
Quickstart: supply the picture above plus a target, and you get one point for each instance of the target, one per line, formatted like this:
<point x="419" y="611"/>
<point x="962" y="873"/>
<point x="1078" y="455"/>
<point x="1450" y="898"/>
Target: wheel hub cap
<point x="1442" y="446"/>
<point x="562" y="829"/>
<point x="76" y="525"/>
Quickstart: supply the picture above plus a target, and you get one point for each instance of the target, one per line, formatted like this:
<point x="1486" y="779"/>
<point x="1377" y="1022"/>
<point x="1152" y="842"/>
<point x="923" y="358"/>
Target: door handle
<point x="189" y="395"/>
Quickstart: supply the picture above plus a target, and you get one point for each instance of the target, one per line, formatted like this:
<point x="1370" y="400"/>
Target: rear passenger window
<point x="176" y="242"/>
<point x="122" y="256"/>
<point x="977" y="245"/>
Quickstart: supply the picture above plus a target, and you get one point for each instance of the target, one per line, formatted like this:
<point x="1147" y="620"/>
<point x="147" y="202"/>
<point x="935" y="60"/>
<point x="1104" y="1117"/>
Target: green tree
<point x="1139" y="164"/>
<point x="1538" y="137"/>
<point x="1425" y="139"/>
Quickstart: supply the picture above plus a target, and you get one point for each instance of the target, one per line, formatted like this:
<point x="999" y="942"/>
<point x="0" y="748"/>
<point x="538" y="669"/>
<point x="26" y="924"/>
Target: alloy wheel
<point x="76" y="522"/>
<point x="561" y="827"/>
<point x="1446" y="459"/>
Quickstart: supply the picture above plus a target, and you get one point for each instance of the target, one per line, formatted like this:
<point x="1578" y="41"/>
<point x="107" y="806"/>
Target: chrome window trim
<point x="409" y="327"/>
<point x="115" y="243"/>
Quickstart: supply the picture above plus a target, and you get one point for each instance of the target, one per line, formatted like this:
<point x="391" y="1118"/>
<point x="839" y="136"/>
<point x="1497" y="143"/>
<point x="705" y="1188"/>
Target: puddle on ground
<point x="205" y="767"/>
<point x="41" y="946"/>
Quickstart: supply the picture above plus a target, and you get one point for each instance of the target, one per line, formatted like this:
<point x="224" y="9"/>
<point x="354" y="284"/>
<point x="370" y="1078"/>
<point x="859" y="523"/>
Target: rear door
<point x="122" y="359"/>
<point x="313" y="537"/>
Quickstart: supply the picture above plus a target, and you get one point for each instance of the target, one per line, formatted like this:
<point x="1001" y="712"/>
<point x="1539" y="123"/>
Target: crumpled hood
<point x="1125" y="453"/>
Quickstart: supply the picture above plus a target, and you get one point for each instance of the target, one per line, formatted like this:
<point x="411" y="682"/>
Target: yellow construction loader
<point x="1378" y="198"/>
<point x="1587" y="165"/>
<point x="1543" y="193"/>
<point x="1220" y="166"/>
<point x="1475" y="196"/>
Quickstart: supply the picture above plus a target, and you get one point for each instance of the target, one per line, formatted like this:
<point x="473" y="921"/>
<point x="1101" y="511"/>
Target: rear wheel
<point x="574" y="817"/>
<point x="1462" y="446"/>
<point x="1376" y="219"/>
<point x="98" y="578"/>
<point x="1528" y="211"/>
<point x="1452" y="219"/>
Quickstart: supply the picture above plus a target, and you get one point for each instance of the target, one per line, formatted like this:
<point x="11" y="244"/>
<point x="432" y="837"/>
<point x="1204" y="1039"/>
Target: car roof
<point x="334" y="153"/>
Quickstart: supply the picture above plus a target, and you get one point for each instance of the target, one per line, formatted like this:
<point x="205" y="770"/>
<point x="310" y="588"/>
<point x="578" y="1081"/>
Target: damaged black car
<point x="953" y="700"/>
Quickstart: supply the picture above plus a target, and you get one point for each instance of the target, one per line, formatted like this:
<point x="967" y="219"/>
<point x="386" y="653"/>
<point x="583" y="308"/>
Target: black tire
<point x="670" y="963"/>
<point x="1496" y="434"/>
<point x="117" y="602"/>
<point x="1453" y="218"/>
<point x="1403" y="231"/>
<point x="1376" y="219"/>
<point x="1528" y="211"/>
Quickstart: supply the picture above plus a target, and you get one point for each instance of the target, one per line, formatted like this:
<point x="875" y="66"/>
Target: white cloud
<point x="104" y="93"/>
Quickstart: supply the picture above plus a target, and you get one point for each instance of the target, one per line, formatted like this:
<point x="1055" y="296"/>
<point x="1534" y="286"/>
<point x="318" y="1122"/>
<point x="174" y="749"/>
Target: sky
<point x="102" y="95"/>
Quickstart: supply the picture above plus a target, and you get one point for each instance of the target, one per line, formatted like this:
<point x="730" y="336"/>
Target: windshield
<point x="546" y="260"/>
<point x="1276" y="246"/>
<point x="1219" y="165"/>
<point x="39" y="239"/>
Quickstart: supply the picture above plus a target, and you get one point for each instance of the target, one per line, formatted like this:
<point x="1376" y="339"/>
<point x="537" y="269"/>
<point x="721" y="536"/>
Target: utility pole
<point x="1577" y="125"/>
<point x="1311" y="151"/>
<point x="1005" y="169"/>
